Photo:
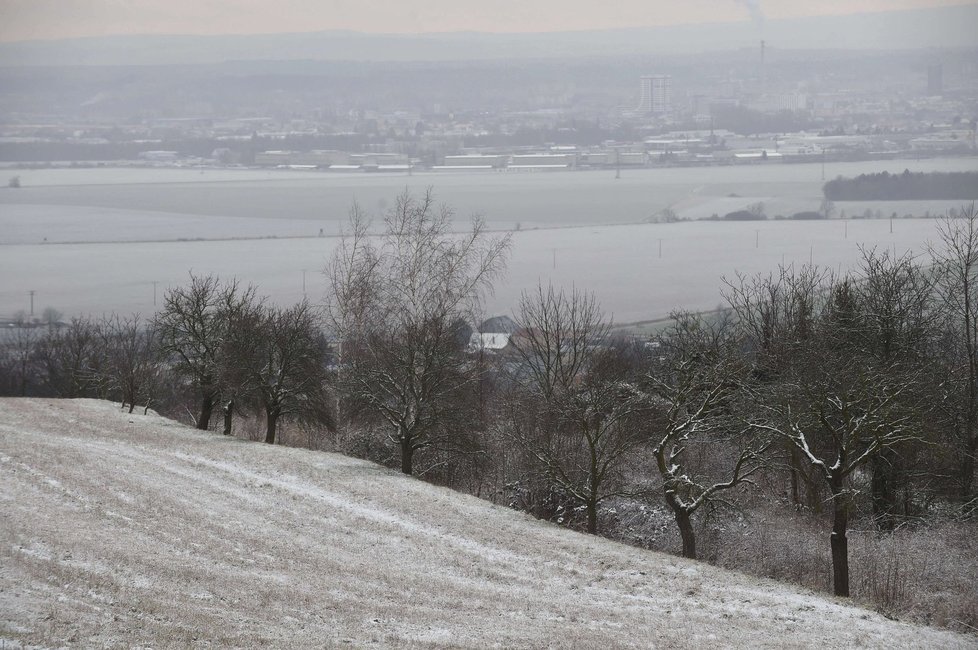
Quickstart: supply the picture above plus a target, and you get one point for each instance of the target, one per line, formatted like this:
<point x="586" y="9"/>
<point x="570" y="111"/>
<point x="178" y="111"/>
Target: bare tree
<point x="580" y="413"/>
<point x="71" y="358"/>
<point x="22" y="351"/>
<point x="244" y="317"/>
<point x="393" y="306"/>
<point x="775" y="314"/>
<point x="957" y="264"/>
<point x="695" y="387"/>
<point x="892" y="322"/>
<point x="288" y="369"/>
<point x="839" y="410"/>
<point x="194" y="326"/>
<point x="132" y="369"/>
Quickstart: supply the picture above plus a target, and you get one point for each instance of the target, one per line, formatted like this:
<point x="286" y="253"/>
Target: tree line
<point x="853" y="395"/>
<point x="885" y="186"/>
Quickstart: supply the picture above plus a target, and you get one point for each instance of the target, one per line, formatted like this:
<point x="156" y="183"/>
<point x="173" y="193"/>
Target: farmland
<point x="66" y="233"/>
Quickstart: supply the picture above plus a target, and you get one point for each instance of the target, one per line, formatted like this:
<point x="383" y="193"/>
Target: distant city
<point x="755" y="105"/>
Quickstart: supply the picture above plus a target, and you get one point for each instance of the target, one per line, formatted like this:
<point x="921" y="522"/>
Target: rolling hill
<point x="134" y="530"/>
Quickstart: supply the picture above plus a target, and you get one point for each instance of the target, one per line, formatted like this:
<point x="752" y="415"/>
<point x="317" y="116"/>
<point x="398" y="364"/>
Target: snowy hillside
<point x="131" y="530"/>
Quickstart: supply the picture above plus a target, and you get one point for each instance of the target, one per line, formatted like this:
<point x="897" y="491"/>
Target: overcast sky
<point x="53" y="19"/>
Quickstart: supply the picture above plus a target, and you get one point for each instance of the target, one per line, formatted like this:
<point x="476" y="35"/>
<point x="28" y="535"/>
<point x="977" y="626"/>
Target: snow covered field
<point x="132" y="530"/>
<point x="89" y="241"/>
<point x="620" y="264"/>
<point x="287" y="203"/>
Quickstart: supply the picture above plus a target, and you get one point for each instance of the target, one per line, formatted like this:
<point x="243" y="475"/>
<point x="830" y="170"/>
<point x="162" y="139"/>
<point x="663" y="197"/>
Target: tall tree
<point x="838" y="409"/>
<point x="956" y="260"/>
<point x="578" y="412"/>
<point x="393" y="305"/>
<point x="891" y="324"/>
<point x="776" y="314"/>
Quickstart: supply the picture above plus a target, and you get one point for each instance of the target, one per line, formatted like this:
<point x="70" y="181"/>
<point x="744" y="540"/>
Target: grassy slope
<point x="128" y="530"/>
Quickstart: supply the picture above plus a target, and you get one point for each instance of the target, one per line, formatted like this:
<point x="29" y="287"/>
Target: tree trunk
<point x="407" y="453"/>
<point x="592" y="517"/>
<point x="206" y="408"/>
<point x="228" y="416"/>
<point x="966" y="471"/>
<point x="883" y="489"/>
<point x="685" y="523"/>
<point x="271" y="420"/>
<point x="795" y="491"/>
<point x="840" y="543"/>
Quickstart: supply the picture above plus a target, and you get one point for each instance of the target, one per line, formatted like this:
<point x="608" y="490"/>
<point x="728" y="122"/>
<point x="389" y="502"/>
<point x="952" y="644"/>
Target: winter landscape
<point x="447" y="324"/>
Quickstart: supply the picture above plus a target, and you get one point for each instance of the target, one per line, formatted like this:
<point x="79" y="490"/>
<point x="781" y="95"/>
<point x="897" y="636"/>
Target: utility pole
<point x="303" y="283"/>
<point x="154" y="292"/>
<point x="757" y="238"/>
<point x="660" y="248"/>
<point x="32" y="301"/>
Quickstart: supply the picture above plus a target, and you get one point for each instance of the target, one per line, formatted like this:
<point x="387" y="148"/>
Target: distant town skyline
<point x="22" y="20"/>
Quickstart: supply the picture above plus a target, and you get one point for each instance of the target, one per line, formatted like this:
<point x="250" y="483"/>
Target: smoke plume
<point x="754" y="7"/>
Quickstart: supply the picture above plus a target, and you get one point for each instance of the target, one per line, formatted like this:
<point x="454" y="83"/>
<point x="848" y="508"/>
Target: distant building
<point x="775" y="102"/>
<point x="656" y="94"/>
<point x="159" y="156"/>
<point x="541" y="161"/>
<point x="935" y="79"/>
<point x="474" y="161"/>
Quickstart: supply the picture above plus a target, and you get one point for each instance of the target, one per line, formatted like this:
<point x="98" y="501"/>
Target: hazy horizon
<point x="54" y="20"/>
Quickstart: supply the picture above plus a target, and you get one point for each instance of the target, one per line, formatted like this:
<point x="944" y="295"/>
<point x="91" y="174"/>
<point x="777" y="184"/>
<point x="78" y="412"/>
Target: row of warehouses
<point x="701" y="148"/>
<point x="342" y="161"/>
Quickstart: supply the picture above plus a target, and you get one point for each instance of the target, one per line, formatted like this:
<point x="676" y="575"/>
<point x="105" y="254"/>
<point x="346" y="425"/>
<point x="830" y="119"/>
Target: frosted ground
<point x="89" y="241"/>
<point x="133" y="530"/>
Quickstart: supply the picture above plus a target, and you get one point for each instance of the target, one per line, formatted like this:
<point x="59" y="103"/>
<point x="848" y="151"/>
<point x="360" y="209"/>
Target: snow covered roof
<point x="488" y="341"/>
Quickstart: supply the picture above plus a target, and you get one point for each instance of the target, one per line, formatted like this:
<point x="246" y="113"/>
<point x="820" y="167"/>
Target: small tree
<point x="132" y="371"/>
<point x="695" y="387"/>
<point x="194" y="327"/>
<point x="393" y="306"/>
<point x="288" y="369"/>
<point x="22" y="350"/>
<point x="71" y="358"/>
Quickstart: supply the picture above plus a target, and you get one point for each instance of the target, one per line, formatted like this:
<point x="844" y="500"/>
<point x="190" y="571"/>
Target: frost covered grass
<point x="926" y="573"/>
<point x="131" y="530"/>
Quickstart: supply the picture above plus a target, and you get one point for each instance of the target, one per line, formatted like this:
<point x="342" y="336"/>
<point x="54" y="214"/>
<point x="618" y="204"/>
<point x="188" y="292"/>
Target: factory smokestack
<point x="763" y="71"/>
